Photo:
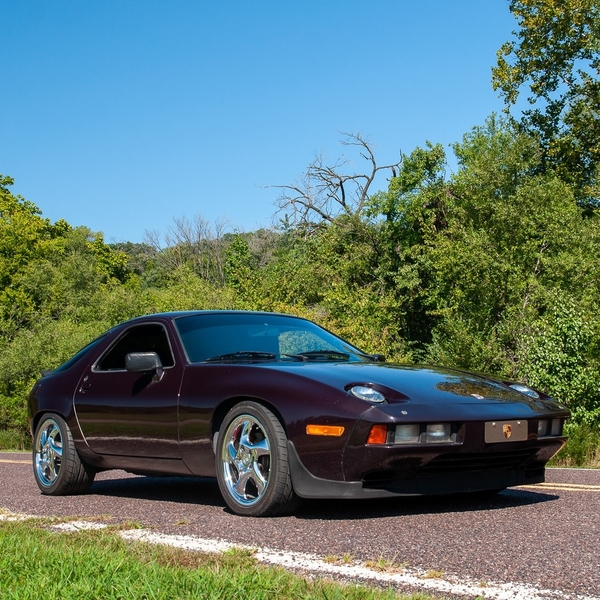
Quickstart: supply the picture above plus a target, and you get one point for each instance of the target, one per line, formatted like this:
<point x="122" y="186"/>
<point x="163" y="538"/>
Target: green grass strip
<point x="36" y="562"/>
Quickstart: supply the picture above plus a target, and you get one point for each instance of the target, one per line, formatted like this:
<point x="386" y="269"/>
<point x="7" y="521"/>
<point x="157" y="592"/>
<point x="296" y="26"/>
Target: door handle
<point x="85" y="385"/>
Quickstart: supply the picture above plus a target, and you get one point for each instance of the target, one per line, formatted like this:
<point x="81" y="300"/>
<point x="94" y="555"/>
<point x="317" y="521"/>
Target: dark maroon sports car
<point x="280" y="409"/>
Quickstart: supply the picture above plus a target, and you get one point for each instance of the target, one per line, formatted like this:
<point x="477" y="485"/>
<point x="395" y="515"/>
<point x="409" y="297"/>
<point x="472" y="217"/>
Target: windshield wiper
<point x="243" y="355"/>
<point x="321" y="354"/>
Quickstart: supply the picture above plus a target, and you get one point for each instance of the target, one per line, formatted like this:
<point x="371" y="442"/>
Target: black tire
<point x="252" y="463"/>
<point x="57" y="467"/>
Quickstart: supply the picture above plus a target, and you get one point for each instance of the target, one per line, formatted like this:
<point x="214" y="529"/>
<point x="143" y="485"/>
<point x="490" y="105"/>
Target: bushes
<point x="494" y="269"/>
<point x="582" y="448"/>
<point x="22" y="359"/>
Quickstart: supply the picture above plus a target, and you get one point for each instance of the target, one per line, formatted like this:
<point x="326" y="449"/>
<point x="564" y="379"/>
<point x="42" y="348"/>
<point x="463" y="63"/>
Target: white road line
<point x="411" y="578"/>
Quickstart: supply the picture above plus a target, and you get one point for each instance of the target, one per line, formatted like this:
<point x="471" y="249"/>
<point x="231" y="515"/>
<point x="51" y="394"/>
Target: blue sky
<point x="122" y="115"/>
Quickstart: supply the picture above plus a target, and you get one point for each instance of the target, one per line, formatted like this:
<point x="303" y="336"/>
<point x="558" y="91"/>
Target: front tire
<point x="57" y="467"/>
<point x="252" y="463"/>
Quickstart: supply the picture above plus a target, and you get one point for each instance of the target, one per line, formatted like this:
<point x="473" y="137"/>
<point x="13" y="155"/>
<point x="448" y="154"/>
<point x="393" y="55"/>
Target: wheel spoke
<point x="241" y="483"/>
<point x="231" y="450"/>
<point x="259" y="480"/>
<point x="246" y="432"/>
<point x="259" y="449"/>
<point x="49" y="471"/>
<point x="43" y="439"/>
<point x="55" y="448"/>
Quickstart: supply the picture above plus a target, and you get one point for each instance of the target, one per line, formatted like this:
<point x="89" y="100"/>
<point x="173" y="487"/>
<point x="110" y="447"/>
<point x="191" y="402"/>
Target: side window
<point x="143" y="338"/>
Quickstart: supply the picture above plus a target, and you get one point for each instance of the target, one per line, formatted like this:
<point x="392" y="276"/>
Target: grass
<point x="433" y="574"/>
<point x="582" y="448"/>
<point x="11" y="439"/>
<point x="344" y="559"/>
<point x="385" y="565"/>
<point x="100" y="565"/>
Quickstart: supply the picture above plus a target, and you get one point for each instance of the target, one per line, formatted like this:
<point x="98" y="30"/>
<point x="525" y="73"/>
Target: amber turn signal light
<point x="332" y="430"/>
<point x="378" y="434"/>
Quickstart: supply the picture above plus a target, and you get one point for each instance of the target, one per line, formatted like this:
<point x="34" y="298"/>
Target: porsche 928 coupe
<point x="278" y="409"/>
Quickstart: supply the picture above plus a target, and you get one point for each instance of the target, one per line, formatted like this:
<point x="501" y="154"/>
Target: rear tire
<point x="57" y="467"/>
<point x="252" y="463"/>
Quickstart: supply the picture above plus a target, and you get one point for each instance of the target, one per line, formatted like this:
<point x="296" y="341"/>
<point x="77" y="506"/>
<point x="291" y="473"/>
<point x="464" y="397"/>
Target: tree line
<point x="492" y="266"/>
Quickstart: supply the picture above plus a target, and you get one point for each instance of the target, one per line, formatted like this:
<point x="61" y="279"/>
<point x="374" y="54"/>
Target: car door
<point x="131" y="413"/>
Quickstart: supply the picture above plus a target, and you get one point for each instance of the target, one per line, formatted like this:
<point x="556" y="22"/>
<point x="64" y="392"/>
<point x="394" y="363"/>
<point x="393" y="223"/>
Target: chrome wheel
<point x="48" y="451"/>
<point x="57" y="466"/>
<point x="251" y="454"/>
<point x="246" y="460"/>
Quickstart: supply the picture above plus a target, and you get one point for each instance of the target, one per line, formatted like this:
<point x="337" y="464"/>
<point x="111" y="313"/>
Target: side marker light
<point x="329" y="430"/>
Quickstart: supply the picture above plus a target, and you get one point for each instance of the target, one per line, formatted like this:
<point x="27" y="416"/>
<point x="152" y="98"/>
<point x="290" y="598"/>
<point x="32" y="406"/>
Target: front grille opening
<point x="485" y="461"/>
<point x="455" y="464"/>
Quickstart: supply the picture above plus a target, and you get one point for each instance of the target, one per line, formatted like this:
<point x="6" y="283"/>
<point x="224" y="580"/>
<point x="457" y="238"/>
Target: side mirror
<point x="377" y="357"/>
<point x="143" y="362"/>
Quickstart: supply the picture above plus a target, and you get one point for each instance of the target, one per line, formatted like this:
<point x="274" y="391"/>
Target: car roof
<point x="188" y="313"/>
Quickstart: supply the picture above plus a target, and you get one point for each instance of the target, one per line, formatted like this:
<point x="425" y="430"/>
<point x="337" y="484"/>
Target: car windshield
<point x="238" y="337"/>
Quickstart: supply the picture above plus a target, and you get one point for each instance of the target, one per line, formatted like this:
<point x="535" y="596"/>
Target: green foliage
<point x="560" y="356"/>
<point x="12" y="439"/>
<point x="22" y="358"/>
<point x="553" y="40"/>
<point x="187" y="291"/>
<point x="332" y="278"/>
<point x="48" y="270"/>
<point x="240" y="269"/>
<point x="494" y="268"/>
<point x="556" y="54"/>
<point x="582" y="448"/>
<point x="23" y="236"/>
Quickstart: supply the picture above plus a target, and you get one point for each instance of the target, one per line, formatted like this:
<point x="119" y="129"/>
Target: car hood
<point x="416" y="383"/>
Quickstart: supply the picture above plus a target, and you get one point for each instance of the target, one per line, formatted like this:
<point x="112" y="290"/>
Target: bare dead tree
<point x="195" y="243"/>
<point x="325" y="192"/>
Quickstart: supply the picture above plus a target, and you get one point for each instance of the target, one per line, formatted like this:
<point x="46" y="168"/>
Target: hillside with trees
<point x="493" y="267"/>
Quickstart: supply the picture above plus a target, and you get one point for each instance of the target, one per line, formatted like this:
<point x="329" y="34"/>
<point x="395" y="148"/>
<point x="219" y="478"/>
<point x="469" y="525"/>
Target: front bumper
<point x="446" y="473"/>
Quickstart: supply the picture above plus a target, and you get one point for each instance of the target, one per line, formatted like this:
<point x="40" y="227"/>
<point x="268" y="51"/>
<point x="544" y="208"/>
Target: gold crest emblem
<point x="507" y="430"/>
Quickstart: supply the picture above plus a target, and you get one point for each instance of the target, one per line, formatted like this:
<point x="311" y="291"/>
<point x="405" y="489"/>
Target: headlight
<point x="367" y="393"/>
<point x="407" y="434"/>
<point x="524" y="389"/>
<point x="542" y="428"/>
<point x="438" y="433"/>
<point x="556" y="427"/>
<point x="425" y="433"/>
<point x="550" y="428"/>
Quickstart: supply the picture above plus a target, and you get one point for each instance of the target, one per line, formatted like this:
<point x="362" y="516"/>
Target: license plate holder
<point x="505" y="431"/>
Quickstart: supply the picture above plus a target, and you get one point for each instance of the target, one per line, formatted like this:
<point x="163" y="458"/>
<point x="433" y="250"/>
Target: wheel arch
<point x="44" y="399"/>
<point x="224" y="407"/>
<point x="40" y="414"/>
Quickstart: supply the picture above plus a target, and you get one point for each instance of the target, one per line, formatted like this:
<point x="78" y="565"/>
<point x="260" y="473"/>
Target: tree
<point x="326" y="192"/>
<point x="502" y="277"/>
<point x="194" y="244"/>
<point x="557" y="56"/>
<point x="22" y="229"/>
<point x="49" y="269"/>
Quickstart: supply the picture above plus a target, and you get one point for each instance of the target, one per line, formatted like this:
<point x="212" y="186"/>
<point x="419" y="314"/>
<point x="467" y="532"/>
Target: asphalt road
<point x="547" y="535"/>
